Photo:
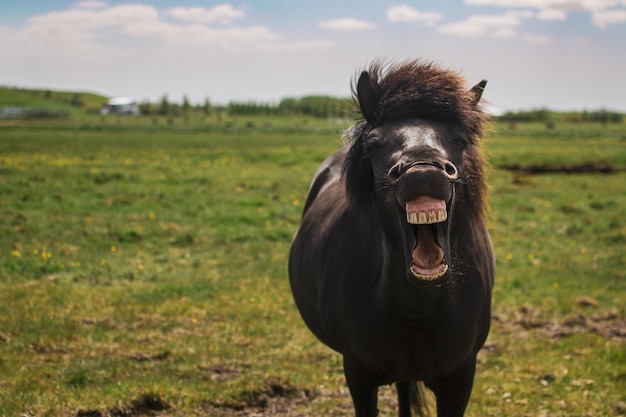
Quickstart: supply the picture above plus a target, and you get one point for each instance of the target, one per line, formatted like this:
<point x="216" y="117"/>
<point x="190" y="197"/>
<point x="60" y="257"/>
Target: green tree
<point x="165" y="107"/>
<point x="288" y="106"/>
<point x="186" y="106"/>
<point x="145" y="107"/>
<point x="206" y="107"/>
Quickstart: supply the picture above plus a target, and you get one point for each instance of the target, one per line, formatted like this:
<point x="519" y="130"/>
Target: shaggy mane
<point x="423" y="90"/>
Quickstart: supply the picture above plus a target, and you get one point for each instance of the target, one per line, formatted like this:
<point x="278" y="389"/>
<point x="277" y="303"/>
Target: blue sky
<point x="562" y="54"/>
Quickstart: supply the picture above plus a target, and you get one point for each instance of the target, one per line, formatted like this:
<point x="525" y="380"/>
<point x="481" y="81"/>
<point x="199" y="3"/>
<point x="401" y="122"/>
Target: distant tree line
<point x="317" y="106"/>
<point x="602" y="116"/>
<point x="334" y="107"/>
<point x="314" y="106"/>
<point x="237" y="108"/>
<point x="545" y="115"/>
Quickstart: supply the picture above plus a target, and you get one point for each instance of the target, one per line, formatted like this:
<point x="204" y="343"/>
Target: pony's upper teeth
<point x="423" y="217"/>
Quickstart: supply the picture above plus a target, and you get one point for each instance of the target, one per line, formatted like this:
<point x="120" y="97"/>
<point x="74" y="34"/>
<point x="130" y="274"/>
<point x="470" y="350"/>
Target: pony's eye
<point x="373" y="143"/>
<point x="459" y="141"/>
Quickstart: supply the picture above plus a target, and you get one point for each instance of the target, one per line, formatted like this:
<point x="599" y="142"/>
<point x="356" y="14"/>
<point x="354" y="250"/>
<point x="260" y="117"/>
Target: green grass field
<point x="143" y="272"/>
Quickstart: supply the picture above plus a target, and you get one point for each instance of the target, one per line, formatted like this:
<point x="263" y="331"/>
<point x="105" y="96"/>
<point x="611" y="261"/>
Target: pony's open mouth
<point x="428" y="262"/>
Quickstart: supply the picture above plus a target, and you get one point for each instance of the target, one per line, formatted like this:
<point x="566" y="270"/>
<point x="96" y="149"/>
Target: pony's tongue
<point x="427" y="256"/>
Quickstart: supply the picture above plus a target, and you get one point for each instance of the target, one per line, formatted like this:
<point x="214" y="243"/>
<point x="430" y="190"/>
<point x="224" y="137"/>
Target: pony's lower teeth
<point x="429" y="277"/>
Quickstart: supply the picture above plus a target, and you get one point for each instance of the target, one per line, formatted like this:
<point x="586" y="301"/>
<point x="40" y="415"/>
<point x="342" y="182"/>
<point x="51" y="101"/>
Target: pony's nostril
<point x="395" y="172"/>
<point x="451" y="170"/>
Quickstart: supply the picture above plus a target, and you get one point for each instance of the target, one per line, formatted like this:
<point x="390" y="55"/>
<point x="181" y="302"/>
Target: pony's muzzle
<point x="424" y="178"/>
<point x="401" y="168"/>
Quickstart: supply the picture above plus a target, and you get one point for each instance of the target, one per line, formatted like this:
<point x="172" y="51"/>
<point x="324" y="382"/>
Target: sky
<point x="560" y="54"/>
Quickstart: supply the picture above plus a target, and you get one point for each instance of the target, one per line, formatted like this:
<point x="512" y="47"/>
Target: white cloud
<point x="552" y="14"/>
<point x="501" y="26"/>
<point x="222" y="13"/>
<point x="504" y="33"/>
<point x="603" y="18"/>
<point x="603" y="12"/>
<point x="406" y="14"/>
<point x="92" y="4"/>
<point x="122" y="26"/>
<point x="347" y="24"/>
<point x="317" y="44"/>
<point x="550" y="4"/>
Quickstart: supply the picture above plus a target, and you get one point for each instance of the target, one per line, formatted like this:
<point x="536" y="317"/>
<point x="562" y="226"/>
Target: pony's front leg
<point x="363" y="388"/>
<point x="453" y="392"/>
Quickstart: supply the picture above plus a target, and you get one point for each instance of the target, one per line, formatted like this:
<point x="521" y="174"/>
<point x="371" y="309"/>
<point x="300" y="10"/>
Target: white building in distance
<point x="121" y="105"/>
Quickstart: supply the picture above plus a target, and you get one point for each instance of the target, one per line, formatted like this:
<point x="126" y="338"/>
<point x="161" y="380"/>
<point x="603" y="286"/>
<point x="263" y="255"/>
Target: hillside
<point x="73" y="103"/>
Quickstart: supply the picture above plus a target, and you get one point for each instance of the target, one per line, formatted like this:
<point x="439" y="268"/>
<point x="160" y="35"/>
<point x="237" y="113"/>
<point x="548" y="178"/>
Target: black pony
<point x="393" y="265"/>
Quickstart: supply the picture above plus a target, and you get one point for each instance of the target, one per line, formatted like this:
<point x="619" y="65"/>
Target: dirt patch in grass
<point x="610" y="324"/>
<point x="146" y="357"/>
<point x="276" y="398"/>
<point x="145" y="405"/>
<point x="223" y="372"/>
<point x="543" y="168"/>
<point x="46" y="349"/>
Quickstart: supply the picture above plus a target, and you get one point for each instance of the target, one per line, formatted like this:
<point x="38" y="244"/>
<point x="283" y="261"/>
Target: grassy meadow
<point x="143" y="271"/>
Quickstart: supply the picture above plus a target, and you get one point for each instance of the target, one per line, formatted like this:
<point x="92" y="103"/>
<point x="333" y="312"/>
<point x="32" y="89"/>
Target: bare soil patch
<point x="223" y="372"/>
<point x="145" y="405"/>
<point x="276" y="398"/>
<point x="608" y="324"/>
<point x="584" y="168"/>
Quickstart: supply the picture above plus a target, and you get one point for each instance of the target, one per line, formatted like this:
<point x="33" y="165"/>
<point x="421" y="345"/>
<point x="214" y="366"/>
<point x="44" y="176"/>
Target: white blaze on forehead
<point x="419" y="136"/>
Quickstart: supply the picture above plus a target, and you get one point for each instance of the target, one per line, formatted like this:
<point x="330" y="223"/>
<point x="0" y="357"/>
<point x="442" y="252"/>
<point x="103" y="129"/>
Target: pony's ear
<point x="477" y="92"/>
<point x="368" y="93"/>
